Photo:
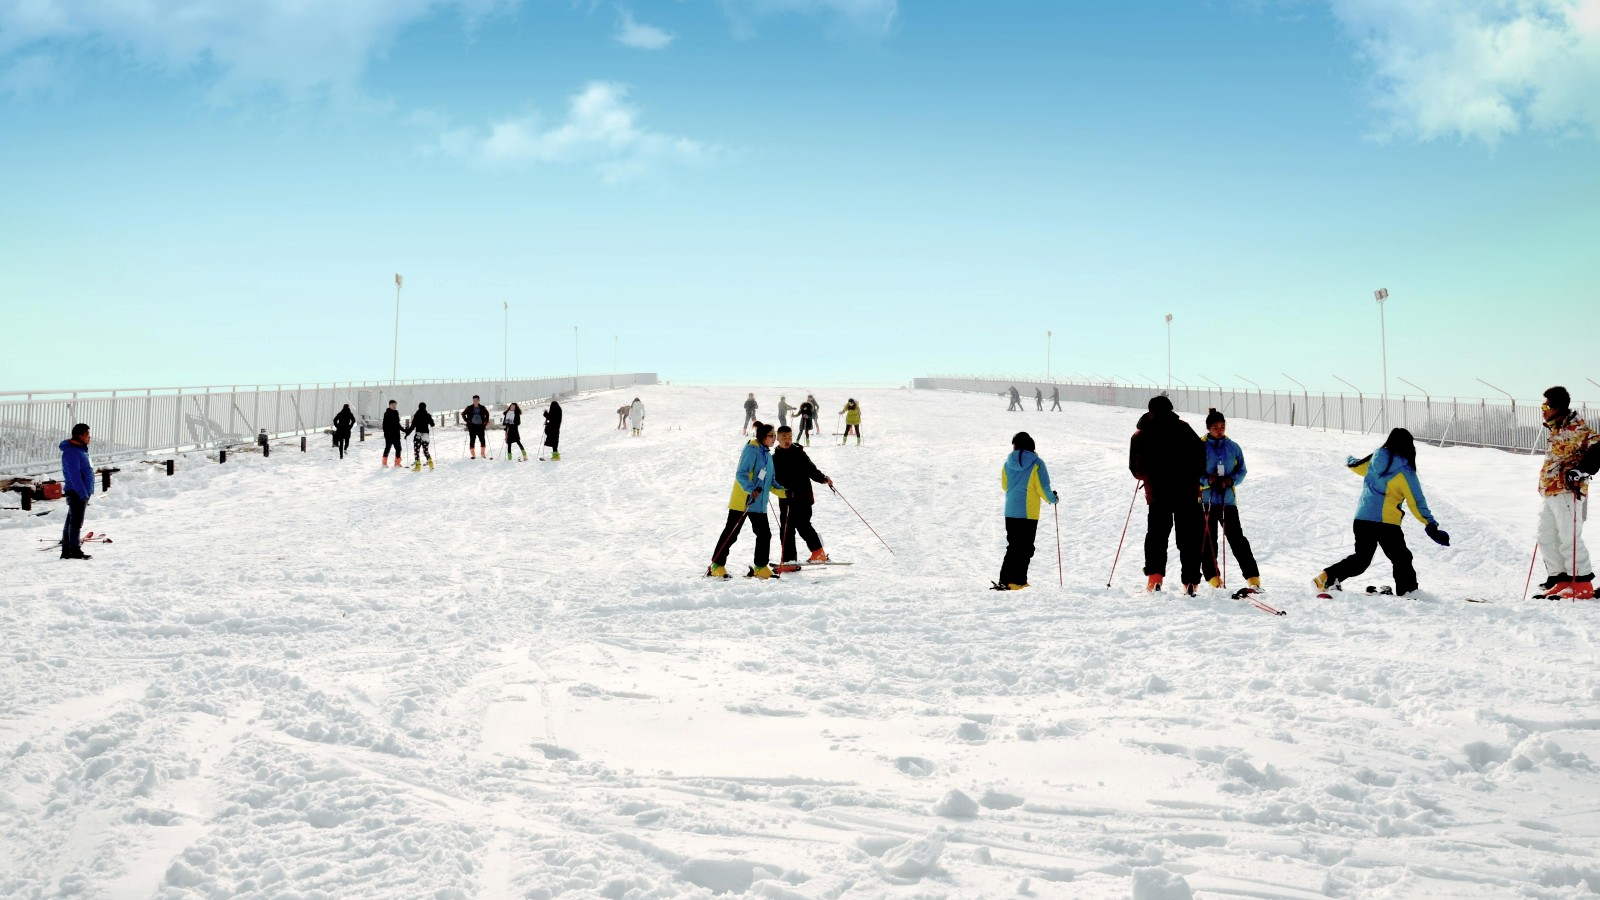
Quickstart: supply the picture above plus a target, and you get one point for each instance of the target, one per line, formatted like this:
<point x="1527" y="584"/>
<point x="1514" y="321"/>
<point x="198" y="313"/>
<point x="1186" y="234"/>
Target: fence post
<point x="113" y="435"/>
<point x="1483" y="423"/>
<point x="149" y="401"/>
<point x="177" y="422"/>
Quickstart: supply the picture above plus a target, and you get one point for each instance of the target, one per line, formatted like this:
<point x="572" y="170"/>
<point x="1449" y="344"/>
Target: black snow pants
<point x="730" y="535"/>
<point x="1369" y="537"/>
<point x="1169" y="513"/>
<point x="1020" y="533"/>
<point x="475" y="437"/>
<point x="72" y="529"/>
<point x="795" y="516"/>
<point x="391" y="440"/>
<point x="1224" y="518"/>
<point x="341" y="439"/>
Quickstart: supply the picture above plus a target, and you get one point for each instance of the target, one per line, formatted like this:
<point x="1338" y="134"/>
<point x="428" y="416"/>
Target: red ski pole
<point x="863" y="520"/>
<point x="1125" y="523"/>
<point x="1529" y="582"/>
<point x="1061" y="574"/>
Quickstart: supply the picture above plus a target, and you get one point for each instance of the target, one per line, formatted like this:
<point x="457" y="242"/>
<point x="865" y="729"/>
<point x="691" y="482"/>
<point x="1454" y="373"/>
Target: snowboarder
<point x="1016" y="400"/>
<point x="852" y="419"/>
<point x="1055" y="398"/>
<point x="1038" y="398"/>
<point x="391" y="434"/>
<point x="754" y="482"/>
<point x="808" y="420"/>
<point x="1389" y="481"/>
<point x="1169" y="458"/>
<point x="422" y="444"/>
<point x="636" y="416"/>
<point x="750" y="407"/>
<point x="1224" y="470"/>
<point x="1026" y="481"/>
<point x="622" y="415"/>
<point x="552" y="429"/>
<point x="79" y="475"/>
<point x="1574" y="456"/>
<point x="342" y="423"/>
<point x="793" y="468"/>
<point x="511" y="421"/>
<point x="476" y="418"/>
<point x="783" y="410"/>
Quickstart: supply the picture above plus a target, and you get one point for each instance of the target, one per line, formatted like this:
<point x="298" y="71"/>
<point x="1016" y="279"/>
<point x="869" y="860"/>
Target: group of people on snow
<point x="1038" y="399"/>
<point x="807" y="413"/>
<point x="631" y="414"/>
<point x="476" y="417"/>
<point x="771" y="465"/>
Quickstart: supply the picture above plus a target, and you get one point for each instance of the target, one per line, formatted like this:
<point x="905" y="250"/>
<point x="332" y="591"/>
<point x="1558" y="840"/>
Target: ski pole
<point x="1574" y="569"/>
<point x="1125" y="523"/>
<point x="1061" y="575"/>
<point x="1529" y="582"/>
<point x="727" y="538"/>
<point x="863" y="519"/>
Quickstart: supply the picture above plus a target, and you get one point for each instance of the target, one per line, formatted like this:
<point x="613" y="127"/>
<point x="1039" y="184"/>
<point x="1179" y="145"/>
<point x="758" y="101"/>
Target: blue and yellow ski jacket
<point x="1226" y="453"/>
<point x="1026" y="481"/>
<point x="755" y="471"/>
<point x="1388" y="483"/>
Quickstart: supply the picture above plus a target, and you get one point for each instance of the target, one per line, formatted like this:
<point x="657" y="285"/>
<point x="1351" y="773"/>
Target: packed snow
<point x="301" y="677"/>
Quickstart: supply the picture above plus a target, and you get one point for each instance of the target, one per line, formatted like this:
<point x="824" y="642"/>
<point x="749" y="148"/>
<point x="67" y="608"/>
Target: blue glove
<point x="1439" y="535"/>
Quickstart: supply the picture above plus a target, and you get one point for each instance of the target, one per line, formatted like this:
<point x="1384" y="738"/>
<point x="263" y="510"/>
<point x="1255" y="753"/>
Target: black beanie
<point x="1022" y="441"/>
<point x="1213" y="417"/>
<point x="1160" y="403"/>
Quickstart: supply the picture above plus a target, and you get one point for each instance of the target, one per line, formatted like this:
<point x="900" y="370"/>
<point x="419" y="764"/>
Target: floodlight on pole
<point x="575" y="366"/>
<point x="1305" y="393"/>
<point x="505" y="360"/>
<point x="1049" y="339"/>
<point x="1169" y="351"/>
<point x="1382" y="294"/>
<point x="1508" y="397"/>
<point x="394" y="371"/>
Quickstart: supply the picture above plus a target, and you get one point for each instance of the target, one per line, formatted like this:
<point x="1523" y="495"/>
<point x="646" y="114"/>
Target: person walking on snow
<point x="552" y="429"/>
<point x="1055" y="398"/>
<point x="1224" y="471"/>
<point x="783" y="410"/>
<point x="1170" y="459"/>
<point x="750" y="407"/>
<point x="753" y="482"/>
<point x="852" y="419"/>
<point x="79" y="475"/>
<point x="1573" y="457"/>
<point x="1016" y="400"/>
<point x="342" y="423"/>
<point x="511" y="421"/>
<point x="1026" y="481"/>
<point x="422" y="444"/>
<point x="476" y="418"/>
<point x="636" y="414"/>
<point x="793" y="468"/>
<point x="622" y="416"/>
<point x="1389" y="481"/>
<point x="1038" y="399"/>
<point x="808" y="419"/>
<point x="391" y="434"/>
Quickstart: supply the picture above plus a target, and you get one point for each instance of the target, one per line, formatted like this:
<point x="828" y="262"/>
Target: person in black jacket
<point x="512" y="422"/>
<point x="808" y="419"/>
<point x="342" y="423"/>
<point x="1167" y="455"/>
<point x="391" y="435"/>
<point x="422" y="424"/>
<point x="476" y="418"/>
<point x="552" y="429"/>
<point x="795" y="471"/>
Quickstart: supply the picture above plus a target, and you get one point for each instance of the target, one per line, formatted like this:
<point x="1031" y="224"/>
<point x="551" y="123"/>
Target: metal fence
<point x="130" y="423"/>
<point x="1517" y="427"/>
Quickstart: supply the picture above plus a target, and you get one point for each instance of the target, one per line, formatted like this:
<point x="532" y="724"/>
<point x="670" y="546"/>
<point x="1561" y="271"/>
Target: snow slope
<point x="305" y="677"/>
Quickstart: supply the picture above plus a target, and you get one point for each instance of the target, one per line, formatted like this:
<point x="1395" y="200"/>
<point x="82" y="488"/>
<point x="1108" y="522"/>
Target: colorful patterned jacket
<point x="1573" y="445"/>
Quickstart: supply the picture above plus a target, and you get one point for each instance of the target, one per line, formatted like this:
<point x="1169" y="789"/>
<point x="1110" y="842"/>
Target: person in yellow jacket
<point x="1026" y="482"/>
<point x="1389" y="482"/>
<point x="754" y="481"/>
<point x="852" y="419"/>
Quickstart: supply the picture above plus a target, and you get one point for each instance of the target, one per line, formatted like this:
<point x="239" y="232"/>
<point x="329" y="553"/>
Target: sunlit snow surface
<point x="305" y="677"/>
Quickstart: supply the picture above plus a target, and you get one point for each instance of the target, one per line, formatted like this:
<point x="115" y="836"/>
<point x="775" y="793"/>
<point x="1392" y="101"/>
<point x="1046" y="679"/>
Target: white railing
<point x="127" y="423"/>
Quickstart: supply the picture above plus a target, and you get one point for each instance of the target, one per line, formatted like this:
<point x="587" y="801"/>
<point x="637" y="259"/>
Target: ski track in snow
<point x="305" y="677"/>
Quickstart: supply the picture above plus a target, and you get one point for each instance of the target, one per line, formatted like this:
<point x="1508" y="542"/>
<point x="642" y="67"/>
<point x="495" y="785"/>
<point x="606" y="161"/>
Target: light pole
<point x="1304" y="392"/>
<point x="505" y="364"/>
<point x="1382" y="294"/>
<point x="1425" y="397"/>
<point x="1361" y="402"/>
<point x="1219" y="390"/>
<point x="1508" y="397"/>
<point x="1049" y="338"/>
<point x="614" y="360"/>
<point x="1169" y="351"/>
<point x="1260" y="404"/>
<point x="575" y="357"/>
<point x="394" y="370"/>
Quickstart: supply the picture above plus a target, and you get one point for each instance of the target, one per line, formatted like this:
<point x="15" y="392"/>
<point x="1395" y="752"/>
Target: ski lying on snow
<point x="1251" y="594"/>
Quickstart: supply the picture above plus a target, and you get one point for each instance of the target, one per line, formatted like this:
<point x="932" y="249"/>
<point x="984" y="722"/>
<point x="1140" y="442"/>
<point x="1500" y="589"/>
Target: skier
<point x="1224" y="470"/>
<point x="750" y="407"/>
<point x="422" y="444"/>
<point x="636" y="414"/>
<point x="1574" y="455"/>
<point x="783" y="410"/>
<point x="754" y="482"/>
<point x="622" y="416"/>
<point x="342" y="423"/>
<point x="391" y="434"/>
<point x="511" y="421"/>
<point x="852" y="419"/>
<point x="552" y="429"/>
<point x="1169" y="458"/>
<point x="1016" y="400"/>
<point x="808" y="419"/>
<point x="79" y="475"/>
<point x="1389" y="482"/>
<point x="1026" y="481"/>
<point x="476" y="418"/>
<point x="1055" y="398"/>
<point x="793" y="468"/>
<point x="1038" y="398"/>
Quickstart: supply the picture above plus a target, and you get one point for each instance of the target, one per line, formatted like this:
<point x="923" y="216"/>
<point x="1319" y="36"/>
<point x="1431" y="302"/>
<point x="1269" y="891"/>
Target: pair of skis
<point x="88" y="538"/>
<point x="1384" y="590"/>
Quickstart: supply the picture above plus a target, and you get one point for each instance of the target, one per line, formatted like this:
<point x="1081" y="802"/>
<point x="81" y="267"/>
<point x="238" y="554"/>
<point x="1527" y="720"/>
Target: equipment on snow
<point x="863" y="519"/>
<point x="1385" y="590"/>
<point x="1135" y="497"/>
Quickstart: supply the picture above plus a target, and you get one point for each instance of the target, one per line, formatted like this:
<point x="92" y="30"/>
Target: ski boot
<point x="1580" y="588"/>
<point x="1215" y="581"/>
<point x="416" y="465"/>
<point x="818" y="556"/>
<point x="555" y="457"/>
<point x="508" y="456"/>
<point x="430" y="464"/>
<point x="786" y="568"/>
<point x="716" y="571"/>
<point x="1189" y="590"/>
<point x="524" y="456"/>
<point x="1152" y="584"/>
<point x="1551" y="585"/>
<point x="386" y="462"/>
<point x="761" y="572"/>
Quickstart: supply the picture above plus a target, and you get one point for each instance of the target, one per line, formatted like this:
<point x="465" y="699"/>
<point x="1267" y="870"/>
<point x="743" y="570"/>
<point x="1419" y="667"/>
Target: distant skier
<point x="1224" y="469"/>
<point x="754" y="481"/>
<point x="750" y="407"/>
<point x="1055" y="398"/>
<point x="1026" y="481"/>
<point x="552" y="429"/>
<point x="1573" y="457"/>
<point x="783" y="410"/>
<point x="636" y="416"/>
<point x="342" y="423"/>
<point x="476" y="418"/>
<point x="79" y="475"/>
<point x="391" y="434"/>
<point x="511" y="421"/>
<point x="852" y="419"/>
<point x="422" y="444"/>
<point x="1038" y="399"/>
<point x="1389" y="481"/>
<point x="808" y="420"/>
<point x="1016" y="400"/>
<point x="622" y="415"/>
<point x="1169" y="458"/>
<point x="793" y="468"/>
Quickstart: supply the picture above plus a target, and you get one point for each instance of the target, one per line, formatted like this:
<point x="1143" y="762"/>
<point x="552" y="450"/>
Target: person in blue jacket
<point x="754" y="481"/>
<point x="1224" y="471"/>
<point x="1026" y="481"/>
<point x="1389" y="482"/>
<point x="79" y="475"/>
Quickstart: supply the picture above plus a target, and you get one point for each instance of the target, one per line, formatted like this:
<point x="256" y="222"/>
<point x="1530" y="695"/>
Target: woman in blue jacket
<point x="1026" y="481"/>
<point x="1224" y="470"/>
<point x="754" y="481"/>
<point x="1389" y="482"/>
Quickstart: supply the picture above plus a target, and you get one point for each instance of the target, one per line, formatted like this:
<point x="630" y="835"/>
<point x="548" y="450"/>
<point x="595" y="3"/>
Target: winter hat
<point x="1558" y="398"/>
<point x="1022" y="441"/>
<point x="762" y="430"/>
<point x="1160" y="403"/>
<point x="1213" y="417"/>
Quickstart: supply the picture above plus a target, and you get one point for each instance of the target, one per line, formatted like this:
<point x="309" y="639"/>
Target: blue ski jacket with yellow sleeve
<point x="1388" y="483"/>
<point x="1026" y="481"/>
<point x="755" y="471"/>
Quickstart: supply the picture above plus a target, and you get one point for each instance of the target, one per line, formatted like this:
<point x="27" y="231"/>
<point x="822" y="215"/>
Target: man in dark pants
<point x="391" y="434"/>
<point x="1055" y="398"/>
<point x="79" y="475"/>
<point x="552" y="429"/>
<point x="476" y="418"/>
<point x="342" y="423"/>
<point x="1170" y="459"/>
<point x="795" y="469"/>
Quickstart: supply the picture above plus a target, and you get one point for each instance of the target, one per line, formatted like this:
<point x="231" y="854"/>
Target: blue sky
<point x="800" y="190"/>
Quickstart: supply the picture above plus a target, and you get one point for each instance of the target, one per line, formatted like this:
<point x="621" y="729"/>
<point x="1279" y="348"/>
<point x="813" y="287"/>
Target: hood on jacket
<point x="1020" y="461"/>
<point x="70" y="444"/>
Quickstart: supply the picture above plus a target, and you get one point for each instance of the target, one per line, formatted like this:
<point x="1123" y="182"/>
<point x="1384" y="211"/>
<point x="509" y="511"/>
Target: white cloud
<point x="601" y="131"/>
<point x="637" y="34"/>
<point x="869" y="18"/>
<point x="1479" y="69"/>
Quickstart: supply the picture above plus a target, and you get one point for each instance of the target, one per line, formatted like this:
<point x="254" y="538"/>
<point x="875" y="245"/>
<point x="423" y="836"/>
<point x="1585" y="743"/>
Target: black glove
<point x="1055" y="496"/>
<point x="1439" y="535"/>
<point x="1575" y="479"/>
